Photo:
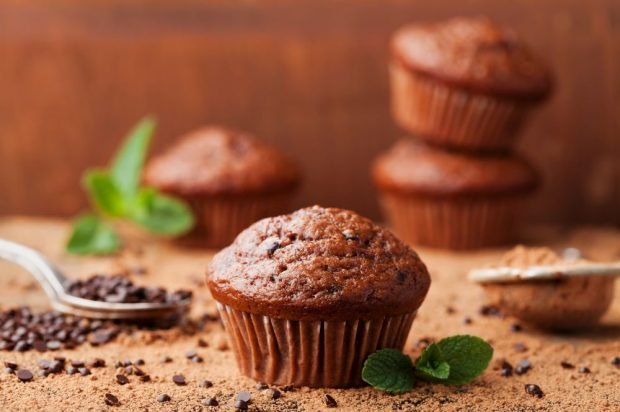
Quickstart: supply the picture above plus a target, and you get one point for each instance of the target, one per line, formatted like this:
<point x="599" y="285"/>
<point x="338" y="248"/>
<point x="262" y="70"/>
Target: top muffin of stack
<point x="463" y="89"/>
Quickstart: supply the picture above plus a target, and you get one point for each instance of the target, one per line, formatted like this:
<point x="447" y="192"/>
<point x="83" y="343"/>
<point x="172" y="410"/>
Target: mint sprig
<point x="115" y="193"/>
<point x="456" y="360"/>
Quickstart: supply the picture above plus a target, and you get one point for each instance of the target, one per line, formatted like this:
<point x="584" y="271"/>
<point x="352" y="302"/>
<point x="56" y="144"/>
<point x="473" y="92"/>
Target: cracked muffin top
<point x="218" y="161"/>
<point x="474" y="53"/>
<point x="319" y="264"/>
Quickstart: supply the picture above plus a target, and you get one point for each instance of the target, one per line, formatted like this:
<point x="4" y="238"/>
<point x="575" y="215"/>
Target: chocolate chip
<point x="261" y="386"/>
<point x="515" y="327"/>
<point x="490" y="310"/>
<point x="567" y="365"/>
<point x="166" y="359"/>
<point x="467" y="321"/>
<point x="274" y="393"/>
<point x="241" y="405"/>
<point x="145" y="378"/>
<point x="163" y="398"/>
<point x="10" y="365"/>
<point x="39" y="346"/>
<point x="9" y="371"/>
<point x="122" y="379"/>
<point x="206" y="384"/>
<point x="616" y="361"/>
<point x="53" y="345"/>
<point x="179" y="379"/>
<point x="84" y="371"/>
<point x="191" y="353"/>
<point x="210" y="402"/>
<point x="24" y="375"/>
<point x="584" y="369"/>
<point x="111" y="400"/>
<point x="71" y="370"/>
<point x="450" y="310"/>
<point x="137" y="371"/>
<point x="534" y="390"/>
<point x="22" y="346"/>
<point x="197" y="359"/>
<point x="139" y="362"/>
<point x="523" y="366"/>
<point x="506" y="369"/>
<point x="202" y="343"/>
<point x="97" y="363"/>
<point x="244" y="396"/>
<point x="77" y="364"/>
<point x="272" y="248"/>
<point x="330" y="402"/>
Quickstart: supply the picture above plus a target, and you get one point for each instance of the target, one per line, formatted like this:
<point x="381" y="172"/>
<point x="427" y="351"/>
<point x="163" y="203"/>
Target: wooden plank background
<point x="308" y="76"/>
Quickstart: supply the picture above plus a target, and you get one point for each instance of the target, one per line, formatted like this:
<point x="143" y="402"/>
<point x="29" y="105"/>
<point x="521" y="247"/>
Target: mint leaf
<point x="92" y="236"/>
<point x="161" y="213"/>
<point x="468" y="356"/>
<point x="127" y="165"/>
<point x="104" y="193"/>
<point x="431" y="365"/>
<point x="389" y="370"/>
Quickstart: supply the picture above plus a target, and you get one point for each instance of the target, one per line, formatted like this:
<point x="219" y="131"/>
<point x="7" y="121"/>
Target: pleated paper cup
<point x="219" y="219"/>
<point x="318" y="354"/>
<point x="447" y="115"/>
<point x="453" y="223"/>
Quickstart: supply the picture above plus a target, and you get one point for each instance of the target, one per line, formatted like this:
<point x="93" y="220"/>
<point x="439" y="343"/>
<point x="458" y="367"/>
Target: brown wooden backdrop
<point x="307" y="75"/>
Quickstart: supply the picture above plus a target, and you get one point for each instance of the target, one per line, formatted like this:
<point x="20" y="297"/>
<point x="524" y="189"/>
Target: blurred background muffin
<point x="229" y="178"/>
<point x="464" y="82"/>
<point x="451" y="199"/>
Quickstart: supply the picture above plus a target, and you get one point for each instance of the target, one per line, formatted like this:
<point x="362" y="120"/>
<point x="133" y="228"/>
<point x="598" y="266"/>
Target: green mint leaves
<point x="453" y="361"/>
<point x="116" y="193"/>
<point x="389" y="370"/>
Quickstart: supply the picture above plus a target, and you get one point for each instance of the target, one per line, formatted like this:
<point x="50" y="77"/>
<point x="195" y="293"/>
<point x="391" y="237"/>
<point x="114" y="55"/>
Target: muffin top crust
<point x="474" y="53"/>
<point x="319" y="264"/>
<point x="414" y="167"/>
<point x="215" y="160"/>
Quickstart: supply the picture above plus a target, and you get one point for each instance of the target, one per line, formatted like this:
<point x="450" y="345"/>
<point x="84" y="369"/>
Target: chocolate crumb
<point x="71" y="370"/>
<point x="10" y="365"/>
<point x="111" y="400"/>
<point x="139" y="362"/>
<point x="97" y="363"/>
<point x="163" y="398"/>
<point x="241" y="405"/>
<point x="490" y="310"/>
<point x="584" y="369"/>
<point x="191" y="354"/>
<point x="179" y="380"/>
<point x="616" y="361"/>
<point x="523" y="366"/>
<point x="534" y="390"/>
<point x="330" y="402"/>
<point x="467" y="321"/>
<point x="506" y="369"/>
<point x="206" y="383"/>
<point x="166" y="359"/>
<point x="84" y="371"/>
<point x="261" y="386"/>
<point x="567" y="365"/>
<point x="515" y="327"/>
<point x="274" y="393"/>
<point x="202" y="343"/>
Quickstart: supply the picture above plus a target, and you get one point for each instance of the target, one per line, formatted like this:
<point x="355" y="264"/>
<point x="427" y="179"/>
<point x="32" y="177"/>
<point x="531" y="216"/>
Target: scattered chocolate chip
<point x="122" y="379"/>
<point x="261" y="386"/>
<point x="111" y="400"/>
<point x="490" y="310"/>
<point x="97" y="363"/>
<point x="24" y="375"/>
<point x="519" y="347"/>
<point x="272" y="248"/>
<point x="43" y="373"/>
<point x="210" y="402"/>
<point x="567" y="365"/>
<point x="39" y="346"/>
<point x="450" y="310"/>
<point x="145" y="378"/>
<point x="163" y="398"/>
<point x="166" y="359"/>
<point x="288" y="388"/>
<point x="179" y="379"/>
<point x="191" y="353"/>
<point x="515" y="327"/>
<point x="244" y="396"/>
<point x="206" y="384"/>
<point x="22" y="346"/>
<point x="202" y="343"/>
<point x="9" y="371"/>
<point x="534" y="390"/>
<point x="506" y="369"/>
<point x="197" y="359"/>
<point x="53" y="345"/>
<point x="71" y="370"/>
<point x="330" y="402"/>
<point x="139" y="362"/>
<point x="84" y="371"/>
<point x="616" y="361"/>
<point x="137" y="371"/>
<point x="274" y="393"/>
<point x="584" y="369"/>
<point x="467" y="321"/>
<point x="77" y="364"/>
<point x="523" y="366"/>
<point x="10" y="365"/>
<point x="56" y="366"/>
<point x="241" y="405"/>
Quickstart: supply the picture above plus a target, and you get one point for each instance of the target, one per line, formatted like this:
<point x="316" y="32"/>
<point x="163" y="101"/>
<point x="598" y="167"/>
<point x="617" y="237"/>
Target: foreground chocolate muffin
<point x="464" y="82"/>
<point x="449" y="199"/>
<point x="229" y="178"/>
<point x="306" y="297"/>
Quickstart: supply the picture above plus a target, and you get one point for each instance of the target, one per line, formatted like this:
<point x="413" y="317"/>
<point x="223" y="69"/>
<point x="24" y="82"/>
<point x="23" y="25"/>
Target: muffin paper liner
<point x="452" y="116"/>
<point x="220" y="219"/>
<point x="453" y="223"/>
<point x="309" y="353"/>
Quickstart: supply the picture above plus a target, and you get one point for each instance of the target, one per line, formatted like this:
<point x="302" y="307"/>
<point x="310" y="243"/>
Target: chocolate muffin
<point x="451" y="199"/>
<point x="229" y="178"/>
<point x="466" y="82"/>
<point x="306" y="297"/>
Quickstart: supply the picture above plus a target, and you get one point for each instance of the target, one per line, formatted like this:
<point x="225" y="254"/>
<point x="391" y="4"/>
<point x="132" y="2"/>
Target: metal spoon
<point x="53" y="280"/>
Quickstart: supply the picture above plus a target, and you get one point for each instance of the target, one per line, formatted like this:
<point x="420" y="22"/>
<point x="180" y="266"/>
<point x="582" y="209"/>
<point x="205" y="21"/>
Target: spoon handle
<point x="50" y="278"/>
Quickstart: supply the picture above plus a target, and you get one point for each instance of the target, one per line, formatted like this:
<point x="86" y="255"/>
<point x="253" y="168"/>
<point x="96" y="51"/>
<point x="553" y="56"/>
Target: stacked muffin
<point x="464" y="88"/>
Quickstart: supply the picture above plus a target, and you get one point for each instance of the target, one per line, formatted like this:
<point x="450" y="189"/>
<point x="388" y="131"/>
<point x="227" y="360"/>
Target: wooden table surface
<point x="172" y="267"/>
